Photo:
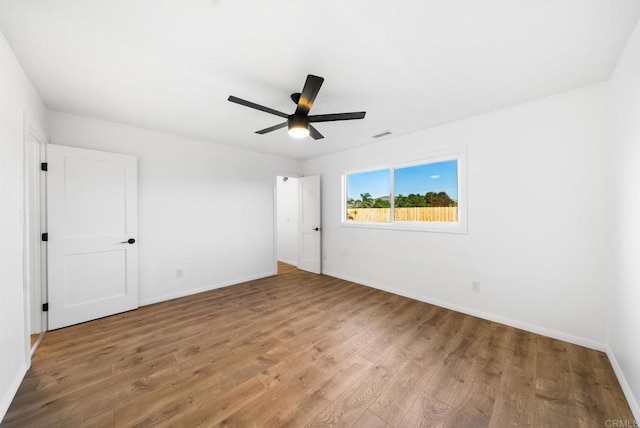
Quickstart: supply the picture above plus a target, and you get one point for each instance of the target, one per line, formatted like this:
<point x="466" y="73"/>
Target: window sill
<point x="434" y="227"/>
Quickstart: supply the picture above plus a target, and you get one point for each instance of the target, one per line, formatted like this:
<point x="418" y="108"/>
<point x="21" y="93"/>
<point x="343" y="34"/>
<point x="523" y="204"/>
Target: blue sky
<point x="420" y="179"/>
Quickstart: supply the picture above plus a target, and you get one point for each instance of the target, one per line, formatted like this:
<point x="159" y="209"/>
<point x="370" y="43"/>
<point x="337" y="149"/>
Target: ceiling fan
<point x="299" y="123"/>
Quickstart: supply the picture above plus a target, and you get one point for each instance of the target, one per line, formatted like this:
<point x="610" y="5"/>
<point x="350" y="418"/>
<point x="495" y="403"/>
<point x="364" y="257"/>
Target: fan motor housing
<point x="297" y="121"/>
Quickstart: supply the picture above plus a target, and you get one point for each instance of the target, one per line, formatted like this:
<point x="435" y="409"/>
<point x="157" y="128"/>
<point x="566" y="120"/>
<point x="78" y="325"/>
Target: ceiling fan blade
<point x="308" y="95"/>
<point x="337" y="116"/>
<point x="314" y="133"/>
<point x="272" y="128"/>
<point x="256" y="106"/>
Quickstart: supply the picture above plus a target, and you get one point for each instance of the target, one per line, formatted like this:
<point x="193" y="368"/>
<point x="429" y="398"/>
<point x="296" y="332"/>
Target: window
<point x="425" y="195"/>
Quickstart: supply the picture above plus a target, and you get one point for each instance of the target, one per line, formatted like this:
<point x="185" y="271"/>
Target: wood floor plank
<point x="447" y="382"/>
<point x="491" y="359"/>
<point x="75" y="404"/>
<point x="300" y="349"/>
<point x="515" y="402"/>
<point x="554" y="391"/>
<point x="426" y="412"/>
<point x="370" y="420"/>
<point x="349" y="406"/>
<point x="159" y="407"/>
<point x="301" y="411"/>
<point x="594" y="400"/>
<point x="395" y="401"/>
<point x="473" y="407"/>
<point x="283" y="392"/>
<point x="399" y="323"/>
<point x="217" y="404"/>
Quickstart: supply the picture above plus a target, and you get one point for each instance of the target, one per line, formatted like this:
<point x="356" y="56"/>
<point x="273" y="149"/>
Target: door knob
<point x="129" y="241"/>
<point x="316" y="229"/>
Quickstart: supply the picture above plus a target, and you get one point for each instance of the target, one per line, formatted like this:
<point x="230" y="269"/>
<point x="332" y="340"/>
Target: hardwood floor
<point x="298" y="350"/>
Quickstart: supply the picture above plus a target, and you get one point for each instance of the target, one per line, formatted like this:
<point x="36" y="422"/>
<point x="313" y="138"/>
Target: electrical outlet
<point x="475" y="286"/>
<point x="179" y="273"/>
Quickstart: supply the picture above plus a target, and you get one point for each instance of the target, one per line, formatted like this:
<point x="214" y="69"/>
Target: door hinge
<point x="44" y="166"/>
<point x="45" y="307"/>
<point x="45" y="237"/>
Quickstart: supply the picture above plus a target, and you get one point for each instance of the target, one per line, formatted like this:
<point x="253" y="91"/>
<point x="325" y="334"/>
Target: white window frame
<point x="458" y="154"/>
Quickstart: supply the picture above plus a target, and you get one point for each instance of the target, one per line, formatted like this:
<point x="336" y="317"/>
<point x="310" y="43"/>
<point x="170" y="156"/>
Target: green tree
<point x="411" y="200"/>
<point x="365" y="200"/>
<point x="440" y="199"/>
<point x="381" y="203"/>
<point x="416" y="200"/>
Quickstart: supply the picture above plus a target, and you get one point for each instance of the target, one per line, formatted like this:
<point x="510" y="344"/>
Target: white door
<point x="309" y="253"/>
<point x="92" y="228"/>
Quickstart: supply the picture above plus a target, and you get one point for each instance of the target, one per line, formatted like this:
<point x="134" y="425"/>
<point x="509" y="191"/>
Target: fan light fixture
<point x="298" y="132"/>
<point x="300" y="122"/>
<point x="298" y="126"/>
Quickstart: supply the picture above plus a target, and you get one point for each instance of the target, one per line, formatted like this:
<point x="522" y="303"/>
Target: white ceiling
<point x="170" y="65"/>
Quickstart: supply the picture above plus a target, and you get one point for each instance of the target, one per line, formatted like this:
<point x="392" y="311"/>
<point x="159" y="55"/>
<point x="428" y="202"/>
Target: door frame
<point x="34" y="221"/>
<point x="277" y="174"/>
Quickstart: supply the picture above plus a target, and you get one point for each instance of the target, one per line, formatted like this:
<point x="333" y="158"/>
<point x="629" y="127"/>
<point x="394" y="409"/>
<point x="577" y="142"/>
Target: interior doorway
<point x="287" y="212"/>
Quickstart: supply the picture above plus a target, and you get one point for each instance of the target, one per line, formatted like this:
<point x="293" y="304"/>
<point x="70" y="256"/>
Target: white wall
<point x="287" y="204"/>
<point x="17" y="98"/>
<point x="624" y="308"/>
<point x="205" y="208"/>
<point x="537" y="230"/>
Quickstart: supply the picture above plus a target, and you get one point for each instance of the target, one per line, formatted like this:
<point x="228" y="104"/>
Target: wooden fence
<point x="444" y="214"/>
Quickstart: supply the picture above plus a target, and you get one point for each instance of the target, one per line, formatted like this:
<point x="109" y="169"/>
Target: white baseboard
<point x="289" y="262"/>
<point x="587" y="343"/>
<point x="11" y="392"/>
<point x="170" y="296"/>
<point x="628" y="393"/>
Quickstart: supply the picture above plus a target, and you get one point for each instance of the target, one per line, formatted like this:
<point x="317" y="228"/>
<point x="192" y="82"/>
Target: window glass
<point x="427" y="192"/>
<point x="368" y="196"/>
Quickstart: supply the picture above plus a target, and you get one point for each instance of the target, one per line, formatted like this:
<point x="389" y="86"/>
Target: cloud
<point x="435" y="176"/>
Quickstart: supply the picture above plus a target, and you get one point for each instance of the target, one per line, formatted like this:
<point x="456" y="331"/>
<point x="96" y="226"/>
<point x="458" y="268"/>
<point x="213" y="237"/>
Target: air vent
<point x="382" y="134"/>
